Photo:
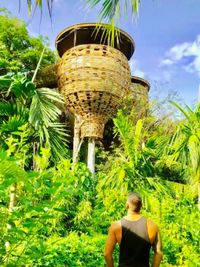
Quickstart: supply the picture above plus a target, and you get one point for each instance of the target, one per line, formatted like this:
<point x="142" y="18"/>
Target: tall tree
<point x="185" y="145"/>
<point x="20" y="52"/>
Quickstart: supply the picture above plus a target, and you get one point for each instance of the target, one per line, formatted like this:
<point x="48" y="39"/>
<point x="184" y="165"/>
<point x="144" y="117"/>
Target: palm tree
<point x="132" y="163"/>
<point x="110" y="11"/>
<point x="185" y="144"/>
<point x="22" y="103"/>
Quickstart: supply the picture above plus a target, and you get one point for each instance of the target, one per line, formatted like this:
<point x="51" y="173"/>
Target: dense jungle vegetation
<point x="53" y="212"/>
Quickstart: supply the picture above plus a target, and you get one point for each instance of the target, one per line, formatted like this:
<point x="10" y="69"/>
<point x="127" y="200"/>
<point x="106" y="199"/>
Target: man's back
<point x="135" y="234"/>
<point x="135" y="244"/>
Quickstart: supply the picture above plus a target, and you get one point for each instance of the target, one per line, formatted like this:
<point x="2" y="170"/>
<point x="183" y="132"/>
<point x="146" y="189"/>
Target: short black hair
<point x="135" y="200"/>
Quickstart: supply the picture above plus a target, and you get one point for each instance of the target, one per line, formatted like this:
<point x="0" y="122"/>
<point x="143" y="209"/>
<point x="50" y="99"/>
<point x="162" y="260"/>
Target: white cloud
<point x="135" y="70"/>
<point x="178" y="51"/>
<point x="190" y="51"/>
<point x="166" y="62"/>
<point x="139" y="73"/>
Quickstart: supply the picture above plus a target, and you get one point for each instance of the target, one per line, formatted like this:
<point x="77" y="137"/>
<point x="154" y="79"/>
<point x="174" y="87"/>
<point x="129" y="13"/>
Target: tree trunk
<point x="12" y="202"/>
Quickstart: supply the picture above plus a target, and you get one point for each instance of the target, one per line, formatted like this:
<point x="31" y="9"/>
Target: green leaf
<point x="43" y="108"/>
<point x="5" y="82"/>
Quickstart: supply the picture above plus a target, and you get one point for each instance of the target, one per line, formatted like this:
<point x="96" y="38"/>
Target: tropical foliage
<point x="185" y="145"/>
<point x="32" y="116"/>
<point x="65" y="212"/>
<point x="110" y="12"/>
<point x="18" y="51"/>
<point x="55" y="213"/>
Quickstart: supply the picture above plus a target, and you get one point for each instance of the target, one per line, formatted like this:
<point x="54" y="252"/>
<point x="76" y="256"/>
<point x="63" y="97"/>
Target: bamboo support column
<point x="91" y="155"/>
<point x="76" y="139"/>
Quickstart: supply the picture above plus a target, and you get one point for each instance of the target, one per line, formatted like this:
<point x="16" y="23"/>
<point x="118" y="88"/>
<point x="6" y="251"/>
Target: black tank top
<point x="135" y="245"/>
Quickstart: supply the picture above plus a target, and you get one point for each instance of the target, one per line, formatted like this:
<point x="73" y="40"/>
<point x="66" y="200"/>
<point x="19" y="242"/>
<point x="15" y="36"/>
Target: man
<point x="136" y="235"/>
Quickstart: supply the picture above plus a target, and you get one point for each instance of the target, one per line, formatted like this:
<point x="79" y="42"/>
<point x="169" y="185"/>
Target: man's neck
<point x="133" y="215"/>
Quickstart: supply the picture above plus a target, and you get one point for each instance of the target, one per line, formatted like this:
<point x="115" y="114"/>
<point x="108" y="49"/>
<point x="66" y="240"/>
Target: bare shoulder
<point x="152" y="225"/>
<point x="115" y="225"/>
<point x="152" y="230"/>
<point x="116" y="230"/>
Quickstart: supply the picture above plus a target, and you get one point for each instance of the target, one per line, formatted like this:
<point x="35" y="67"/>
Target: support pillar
<point x="91" y="155"/>
<point x="76" y="139"/>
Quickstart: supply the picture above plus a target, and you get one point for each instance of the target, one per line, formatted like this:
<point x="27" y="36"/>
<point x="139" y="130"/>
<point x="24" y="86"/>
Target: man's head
<point x="134" y="202"/>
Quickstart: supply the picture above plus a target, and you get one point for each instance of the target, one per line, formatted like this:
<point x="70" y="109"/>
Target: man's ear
<point x="127" y="205"/>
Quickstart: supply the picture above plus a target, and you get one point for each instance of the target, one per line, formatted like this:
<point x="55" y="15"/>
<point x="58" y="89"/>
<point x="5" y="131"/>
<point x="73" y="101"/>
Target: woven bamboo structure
<point x="139" y="93"/>
<point x="92" y="76"/>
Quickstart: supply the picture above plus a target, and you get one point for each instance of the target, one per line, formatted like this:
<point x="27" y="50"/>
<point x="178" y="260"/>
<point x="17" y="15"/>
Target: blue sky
<point x="166" y="35"/>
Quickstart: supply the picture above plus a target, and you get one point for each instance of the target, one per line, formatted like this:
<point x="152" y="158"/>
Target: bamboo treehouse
<point x="93" y="77"/>
<point x="139" y="90"/>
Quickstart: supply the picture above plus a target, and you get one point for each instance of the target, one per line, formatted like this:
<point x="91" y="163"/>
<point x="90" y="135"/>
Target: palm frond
<point x="6" y="109"/>
<point x="111" y="8"/>
<point x="185" y="145"/>
<point x="110" y="12"/>
<point x="5" y="82"/>
<point x="110" y="34"/>
<point x="194" y="150"/>
<point x="130" y="136"/>
<point x="162" y="187"/>
<point x="12" y="124"/>
<point x="34" y="4"/>
<point x="135" y="6"/>
<point x="58" y="140"/>
<point x="44" y="107"/>
<point x="54" y="137"/>
<point x="29" y="4"/>
<point x="22" y="87"/>
<point x="183" y="111"/>
<point x="10" y="109"/>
